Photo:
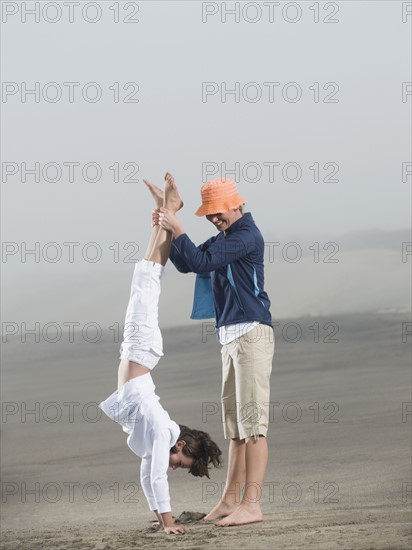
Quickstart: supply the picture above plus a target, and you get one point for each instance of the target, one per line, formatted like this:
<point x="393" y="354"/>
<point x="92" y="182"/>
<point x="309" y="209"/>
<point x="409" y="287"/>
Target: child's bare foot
<point x="157" y="193"/>
<point x="221" y="510"/>
<point x="241" y="516"/>
<point x="172" y="202"/>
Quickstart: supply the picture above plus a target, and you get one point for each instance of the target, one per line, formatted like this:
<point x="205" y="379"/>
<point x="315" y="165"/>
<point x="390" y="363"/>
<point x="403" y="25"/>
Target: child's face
<point x="179" y="460"/>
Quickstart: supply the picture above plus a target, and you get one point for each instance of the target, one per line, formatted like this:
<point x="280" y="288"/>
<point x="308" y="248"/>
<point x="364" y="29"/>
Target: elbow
<point x="202" y="268"/>
<point x="180" y="266"/>
<point x="183" y="269"/>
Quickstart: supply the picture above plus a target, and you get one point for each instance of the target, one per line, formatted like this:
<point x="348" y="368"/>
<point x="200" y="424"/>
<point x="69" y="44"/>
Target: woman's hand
<point x="175" y="530"/>
<point x="170" y="222"/>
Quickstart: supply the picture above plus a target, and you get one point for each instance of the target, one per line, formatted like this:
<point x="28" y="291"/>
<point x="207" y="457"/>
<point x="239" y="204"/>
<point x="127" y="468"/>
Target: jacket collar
<point x="246" y="219"/>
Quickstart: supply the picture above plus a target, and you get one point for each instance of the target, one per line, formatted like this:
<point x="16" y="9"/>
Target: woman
<point x="234" y="260"/>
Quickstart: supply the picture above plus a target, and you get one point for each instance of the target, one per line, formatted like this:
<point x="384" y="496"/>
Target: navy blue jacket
<point x="235" y="264"/>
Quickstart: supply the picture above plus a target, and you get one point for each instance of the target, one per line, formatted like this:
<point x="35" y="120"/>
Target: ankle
<point x="231" y="500"/>
<point x="171" y="208"/>
<point x="251" y="505"/>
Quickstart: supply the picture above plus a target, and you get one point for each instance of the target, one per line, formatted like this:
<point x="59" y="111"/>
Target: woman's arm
<point x="178" y="261"/>
<point x="218" y="252"/>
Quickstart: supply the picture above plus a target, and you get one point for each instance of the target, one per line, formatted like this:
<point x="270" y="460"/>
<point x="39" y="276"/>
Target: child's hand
<point x="176" y="530"/>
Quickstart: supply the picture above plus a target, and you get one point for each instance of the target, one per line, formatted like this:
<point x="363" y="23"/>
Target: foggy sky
<point x="169" y="53"/>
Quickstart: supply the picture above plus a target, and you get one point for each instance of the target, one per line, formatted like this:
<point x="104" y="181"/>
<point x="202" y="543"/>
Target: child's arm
<point x="159" y="518"/>
<point x="159" y="483"/>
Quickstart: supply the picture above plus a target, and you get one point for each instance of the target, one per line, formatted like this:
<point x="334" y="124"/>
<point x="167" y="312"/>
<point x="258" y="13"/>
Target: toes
<point x="149" y="185"/>
<point x="169" y="178"/>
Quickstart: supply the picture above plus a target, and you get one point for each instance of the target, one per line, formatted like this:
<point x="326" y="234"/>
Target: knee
<point x="261" y="438"/>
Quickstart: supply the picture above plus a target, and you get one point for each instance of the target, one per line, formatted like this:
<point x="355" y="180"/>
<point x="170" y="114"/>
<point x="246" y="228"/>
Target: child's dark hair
<point x="201" y="448"/>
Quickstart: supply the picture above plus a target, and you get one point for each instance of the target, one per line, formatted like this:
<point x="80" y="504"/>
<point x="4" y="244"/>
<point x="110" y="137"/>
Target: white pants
<point x="142" y="339"/>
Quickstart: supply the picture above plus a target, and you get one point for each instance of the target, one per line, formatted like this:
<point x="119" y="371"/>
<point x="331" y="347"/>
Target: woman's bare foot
<point x="221" y="510"/>
<point x="241" y="516"/>
<point x="157" y="193"/>
<point x="172" y="202"/>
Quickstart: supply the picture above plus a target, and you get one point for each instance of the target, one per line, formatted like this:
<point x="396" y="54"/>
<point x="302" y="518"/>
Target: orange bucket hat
<point x="219" y="195"/>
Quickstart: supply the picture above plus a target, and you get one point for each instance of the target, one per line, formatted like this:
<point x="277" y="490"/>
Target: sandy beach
<point x="339" y="473"/>
<point x="304" y="105"/>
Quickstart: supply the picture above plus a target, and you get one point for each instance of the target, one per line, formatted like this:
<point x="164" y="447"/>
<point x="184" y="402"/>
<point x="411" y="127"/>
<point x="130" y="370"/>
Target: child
<point x="152" y="435"/>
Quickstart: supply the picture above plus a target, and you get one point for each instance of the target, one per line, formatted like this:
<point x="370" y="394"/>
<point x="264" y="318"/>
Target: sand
<point x="339" y="474"/>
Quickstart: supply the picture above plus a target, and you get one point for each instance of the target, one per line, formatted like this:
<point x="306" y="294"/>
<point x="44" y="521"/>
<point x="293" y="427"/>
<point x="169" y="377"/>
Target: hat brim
<point x="217" y="207"/>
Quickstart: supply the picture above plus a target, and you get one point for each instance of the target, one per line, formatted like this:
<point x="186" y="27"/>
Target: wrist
<point x="168" y="520"/>
<point x="178" y="232"/>
<point x="168" y="525"/>
<point x="159" y="518"/>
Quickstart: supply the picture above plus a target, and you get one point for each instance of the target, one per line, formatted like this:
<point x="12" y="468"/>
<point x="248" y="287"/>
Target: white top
<point x="229" y="333"/>
<point x="151" y="435"/>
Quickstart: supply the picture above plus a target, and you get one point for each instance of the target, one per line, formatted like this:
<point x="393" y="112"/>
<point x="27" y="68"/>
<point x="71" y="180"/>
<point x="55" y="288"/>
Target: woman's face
<point x="223" y="220"/>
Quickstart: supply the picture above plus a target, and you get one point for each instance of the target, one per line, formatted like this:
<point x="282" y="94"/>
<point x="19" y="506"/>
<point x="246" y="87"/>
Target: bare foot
<point x="241" y="516"/>
<point x="173" y="202"/>
<point x="221" y="510"/>
<point x="157" y="193"/>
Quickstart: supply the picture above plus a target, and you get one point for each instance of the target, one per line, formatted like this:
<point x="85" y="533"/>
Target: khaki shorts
<point x="246" y="370"/>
